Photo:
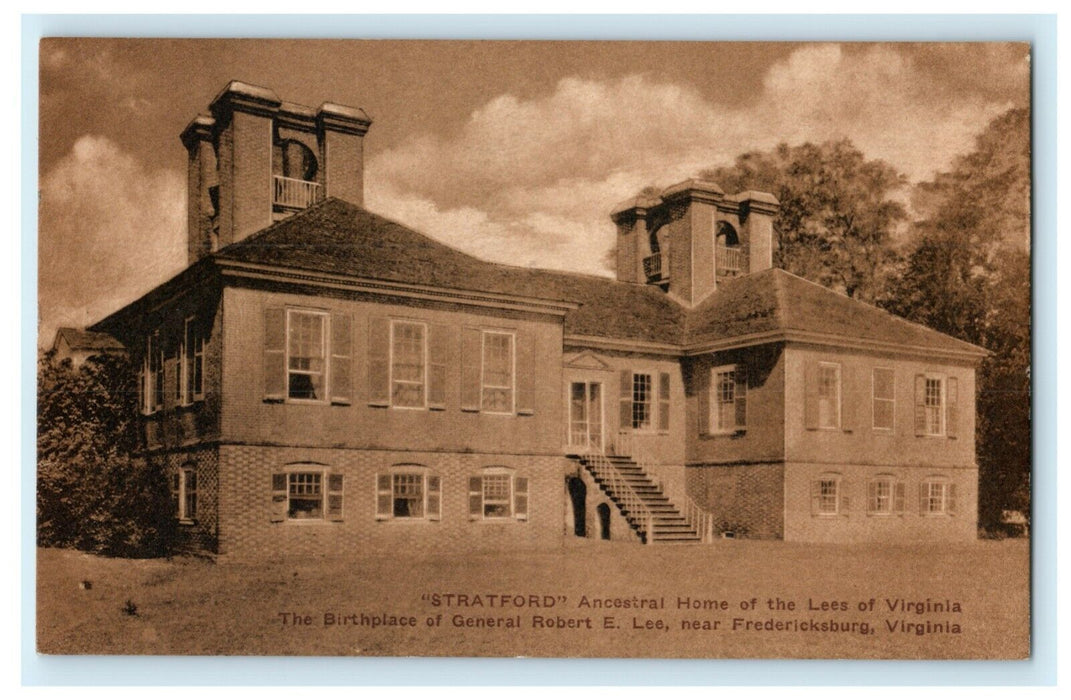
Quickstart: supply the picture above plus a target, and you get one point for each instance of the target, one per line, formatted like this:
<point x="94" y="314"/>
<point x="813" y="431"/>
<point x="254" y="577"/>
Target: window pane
<point x="305" y="351"/>
<point x="497" y="496"/>
<point x="306" y="496"/>
<point x="641" y="400"/>
<point x="828" y="496"/>
<point x="828" y="396"/>
<point x="498" y="372"/>
<point x="408" y="495"/>
<point x="407" y="365"/>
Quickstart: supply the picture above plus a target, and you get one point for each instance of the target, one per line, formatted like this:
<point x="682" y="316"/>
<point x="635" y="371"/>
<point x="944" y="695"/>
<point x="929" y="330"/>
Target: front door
<point x="585" y="416"/>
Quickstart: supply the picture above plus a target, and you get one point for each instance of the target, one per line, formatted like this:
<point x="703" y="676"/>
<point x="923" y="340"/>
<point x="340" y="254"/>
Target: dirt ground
<point x="732" y="599"/>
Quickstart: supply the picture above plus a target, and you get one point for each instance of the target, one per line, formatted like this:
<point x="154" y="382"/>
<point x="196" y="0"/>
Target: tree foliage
<point x="92" y="492"/>
<point x="837" y="215"/>
<point x="968" y="275"/>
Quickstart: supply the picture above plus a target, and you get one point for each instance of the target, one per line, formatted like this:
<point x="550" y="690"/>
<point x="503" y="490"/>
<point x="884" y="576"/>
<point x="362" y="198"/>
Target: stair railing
<point x="622" y="490"/>
<point x="700" y="520"/>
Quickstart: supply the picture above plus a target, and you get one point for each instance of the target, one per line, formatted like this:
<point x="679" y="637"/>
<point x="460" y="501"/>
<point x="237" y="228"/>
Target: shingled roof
<point x="341" y="238"/>
<point x="78" y="339"/>
<point x="776" y="301"/>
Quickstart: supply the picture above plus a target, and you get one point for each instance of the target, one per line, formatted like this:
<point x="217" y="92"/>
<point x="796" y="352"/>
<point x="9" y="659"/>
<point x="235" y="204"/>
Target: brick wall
<point x="246" y="530"/>
<point x="741" y="496"/>
<point x="205" y="461"/>
<point x="854" y="524"/>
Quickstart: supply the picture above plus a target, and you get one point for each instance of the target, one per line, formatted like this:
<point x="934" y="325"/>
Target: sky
<point x="512" y="151"/>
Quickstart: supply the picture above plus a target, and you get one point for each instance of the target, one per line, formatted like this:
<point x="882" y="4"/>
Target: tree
<point x="837" y="212"/>
<point x="93" y="492"/>
<point x="968" y="275"/>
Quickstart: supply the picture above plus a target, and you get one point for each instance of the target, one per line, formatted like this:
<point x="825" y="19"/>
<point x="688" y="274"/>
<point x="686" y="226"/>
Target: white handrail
<point x="607" y="471"/>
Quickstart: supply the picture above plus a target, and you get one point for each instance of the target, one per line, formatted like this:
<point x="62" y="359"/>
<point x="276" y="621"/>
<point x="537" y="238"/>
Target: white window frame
<point x="325" y="330"/>
<point x="875" y="399"/>
<point x="423" y="383"/>
<point x="183" y="492"/>
<point x="418" y="470"/>
<point x="298" y="471"/>
<point x="484" y="385"/>
<point x="651" y="425"/>
<point x="511" y="476"/>
<point x="838" y="400"/>
<point x="188" y="360"/>
<point x="942" y="405"/>
<point x="153" y="385"/>
<point x="835" y="480"/>
<point x="942" y="506"/>
<point x="878" y="481"/>
<point x="716" y="374"/>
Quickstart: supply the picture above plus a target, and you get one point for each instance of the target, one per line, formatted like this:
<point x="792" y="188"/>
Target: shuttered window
<point x="937" y="496"/>
<point x="497" y="493"/>
<point x="728" y="399"/>
<point x="936" y="410"/>
<point x="829" y="496"/>
<point x="190" y="379"/>
<point x="885" y="496"/>
<point x="828" y="395"/>
<point x="306" y="492"/>
<point x="308" y="356"/>
<point x="408" y="492"/>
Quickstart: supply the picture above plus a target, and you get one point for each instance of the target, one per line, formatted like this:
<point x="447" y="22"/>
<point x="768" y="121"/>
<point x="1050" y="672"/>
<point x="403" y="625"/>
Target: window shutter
<point x="816" y="497"/>
<point x="340" y="380"/>
<point x="176" y="493"/>
<point x="856" y="415"/>
<point x="920" y="405"/>
<point x="625" y="414"/>
<point x="274" y="353"/>
<point x="704" y="380"/>
<point x="520" y="497"/>
<point x="950" y="498"/>
<point x="740" y="397"/>
<point x="178" y="366"/>
<point x="279" y="503"/>
<point x="810" y="395"/>
<point x="379" y="362"/>
<point x="334" y="497"/>
<point x="525" y="373"/>
<point x="845" y="502"/>
<point x="438" y="352"/>
<point x="663" y="401"/>
<point x="141" y="390"/>
<point x="898" y="498"/>
<point x="434" y="497"/>
<point x="923" y="497"/>
<point x="471" y="368"/>
<point x="475" y="497"/>
<point x="871" y="496"/>
<point x="952" y="408"/>
<point x="384" y="496"/>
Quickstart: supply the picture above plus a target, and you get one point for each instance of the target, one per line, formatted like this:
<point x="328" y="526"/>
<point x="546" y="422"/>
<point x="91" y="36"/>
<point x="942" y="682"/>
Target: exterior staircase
<point x="640" y="500"/>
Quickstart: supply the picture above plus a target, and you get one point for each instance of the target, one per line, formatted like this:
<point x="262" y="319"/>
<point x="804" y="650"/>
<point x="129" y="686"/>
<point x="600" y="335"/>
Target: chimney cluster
<point x="692" y="236"/>
<point x="255" y="159"/>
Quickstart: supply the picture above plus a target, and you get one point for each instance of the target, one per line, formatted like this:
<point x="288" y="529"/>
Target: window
<point x="884" y="496"/>
<point x="498" y="494"/>
<point x="151" y="380"/>
<point x="408" y="364"/>
<point x="497" y="380"/>
<point x="408" y="492"/>
<point x="641" y="401"/>
<point x="307" y="492"/>
<point x="828" y="395"/>
<point x="191" y="364"/>
<point x="934" y="402"/>
<point x="828" y="496"/>
<point x="728" y="399"/>
<point x="884" y="397"/>
<point x="306" y="355"/>
<point x="937" y="496"/>
<point x="184" y="494"/>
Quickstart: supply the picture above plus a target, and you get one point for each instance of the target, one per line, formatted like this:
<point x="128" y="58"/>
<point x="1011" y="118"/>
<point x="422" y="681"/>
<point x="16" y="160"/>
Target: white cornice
<point x="233" y="268"/>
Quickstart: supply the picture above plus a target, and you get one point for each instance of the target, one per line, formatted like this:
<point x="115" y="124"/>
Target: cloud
<point x="110" y="230"/>
<point x="533" y="180"/>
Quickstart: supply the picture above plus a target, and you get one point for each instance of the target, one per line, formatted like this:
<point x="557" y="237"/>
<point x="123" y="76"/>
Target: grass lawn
<point x="195" y="606"/>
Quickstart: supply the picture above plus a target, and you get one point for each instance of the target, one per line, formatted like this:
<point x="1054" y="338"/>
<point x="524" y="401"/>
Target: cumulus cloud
<point x="110" y="230"/>
<point x="532" y="180"/>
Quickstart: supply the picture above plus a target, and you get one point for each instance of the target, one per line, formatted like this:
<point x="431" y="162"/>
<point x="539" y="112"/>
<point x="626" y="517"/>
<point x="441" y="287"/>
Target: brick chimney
<point x="692" y="237"/>
<point x="255" y="159"/>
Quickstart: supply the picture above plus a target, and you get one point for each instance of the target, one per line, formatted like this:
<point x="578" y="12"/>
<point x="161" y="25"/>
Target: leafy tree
<point x="837" y="211"/>
<point x="968" y="275"/>
<point x="93" y="493"/>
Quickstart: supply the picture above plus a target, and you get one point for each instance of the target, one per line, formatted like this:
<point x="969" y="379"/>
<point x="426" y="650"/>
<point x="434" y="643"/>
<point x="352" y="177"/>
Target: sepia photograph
<point x="604" y="349"/>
